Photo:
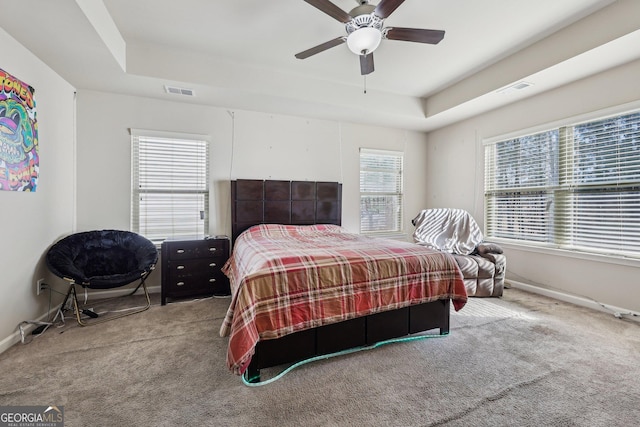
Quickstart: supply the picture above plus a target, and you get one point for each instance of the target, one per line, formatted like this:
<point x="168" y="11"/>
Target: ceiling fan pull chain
<point x="365" y="84"/>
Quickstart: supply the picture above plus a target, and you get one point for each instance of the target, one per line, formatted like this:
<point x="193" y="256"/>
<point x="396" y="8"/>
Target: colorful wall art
<point x="19" y="160"/>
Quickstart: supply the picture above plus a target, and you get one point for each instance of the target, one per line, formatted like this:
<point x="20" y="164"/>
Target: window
<point x="576" y="187"/>
<point x="170" y="190"/>
<point x="380" y="191"/>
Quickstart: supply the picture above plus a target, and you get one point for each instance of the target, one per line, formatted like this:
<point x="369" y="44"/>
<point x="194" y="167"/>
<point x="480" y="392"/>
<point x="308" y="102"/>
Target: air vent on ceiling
<point x="515" y="87"/>
<point x="179" y="91"/>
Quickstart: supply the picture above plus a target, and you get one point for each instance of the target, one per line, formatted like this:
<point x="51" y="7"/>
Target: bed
<point x="303" y="286"/>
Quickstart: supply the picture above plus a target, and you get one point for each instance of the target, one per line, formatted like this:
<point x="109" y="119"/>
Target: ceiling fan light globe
<point x="364" y="40"/>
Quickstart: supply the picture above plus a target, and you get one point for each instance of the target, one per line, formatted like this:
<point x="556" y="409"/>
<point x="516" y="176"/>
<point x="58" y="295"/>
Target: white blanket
<point x="448" y="230"/>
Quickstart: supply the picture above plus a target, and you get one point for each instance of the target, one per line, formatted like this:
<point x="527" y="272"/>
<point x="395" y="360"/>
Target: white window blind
<point x="520" y="177"/>
<point x="170" y="190"/>
<point x="380" y="191"/>
<point x="603" y="185"/>
<point x="576" y="187"/>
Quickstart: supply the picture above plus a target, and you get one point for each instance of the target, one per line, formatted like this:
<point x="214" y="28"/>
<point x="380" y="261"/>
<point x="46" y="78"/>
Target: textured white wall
<point x="245" y="144"/>
<point x="456" y="169"/>
<point x="30" y="222"/>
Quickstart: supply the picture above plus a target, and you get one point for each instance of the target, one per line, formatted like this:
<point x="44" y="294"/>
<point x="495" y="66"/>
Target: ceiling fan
<point x="365" y="29"/>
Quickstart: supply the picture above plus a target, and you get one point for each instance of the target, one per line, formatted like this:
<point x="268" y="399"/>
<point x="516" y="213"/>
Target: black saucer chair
<point x="102" y="259"/>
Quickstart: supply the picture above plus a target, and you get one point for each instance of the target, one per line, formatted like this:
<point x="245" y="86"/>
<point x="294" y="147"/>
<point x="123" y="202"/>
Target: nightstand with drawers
<point x="194" y="268"/>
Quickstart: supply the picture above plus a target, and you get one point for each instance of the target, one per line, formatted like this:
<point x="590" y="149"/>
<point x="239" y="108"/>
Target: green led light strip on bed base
<point x="338" y="353"/>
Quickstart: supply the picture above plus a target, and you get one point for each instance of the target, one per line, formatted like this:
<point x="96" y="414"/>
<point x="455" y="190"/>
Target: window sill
<point x="603" y="258"/>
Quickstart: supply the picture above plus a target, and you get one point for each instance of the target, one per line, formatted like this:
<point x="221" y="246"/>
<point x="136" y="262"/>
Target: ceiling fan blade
<point x="386" y="7"/>
<point x="366" y="64"/>
<point x="414" y="35"/>
<point x="330" y="9"/>
<point x="320" y="48"/>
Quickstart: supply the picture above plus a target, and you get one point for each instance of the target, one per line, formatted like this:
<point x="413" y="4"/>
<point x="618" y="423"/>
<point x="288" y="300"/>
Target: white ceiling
<point x="240" y="54"/>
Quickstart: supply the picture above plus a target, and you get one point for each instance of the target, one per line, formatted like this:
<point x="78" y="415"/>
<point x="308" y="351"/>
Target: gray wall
<point x="244" y="144"/>
<point x="455" y="166"/>
<point x="86" y="184"/>
<point x="30" y="222"/>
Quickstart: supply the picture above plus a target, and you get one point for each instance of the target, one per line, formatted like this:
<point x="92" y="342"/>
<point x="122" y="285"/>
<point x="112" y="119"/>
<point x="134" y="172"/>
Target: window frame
<point x="398" y="192"/>
<point x="565" y="189"/>
<point x="202" y="188"/>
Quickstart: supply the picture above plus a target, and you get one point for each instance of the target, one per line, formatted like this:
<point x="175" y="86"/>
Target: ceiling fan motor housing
<point x="363" y="16"/>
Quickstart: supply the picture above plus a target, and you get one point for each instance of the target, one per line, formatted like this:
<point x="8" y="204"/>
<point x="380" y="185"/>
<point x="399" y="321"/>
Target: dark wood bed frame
<point x="304" y="203"/>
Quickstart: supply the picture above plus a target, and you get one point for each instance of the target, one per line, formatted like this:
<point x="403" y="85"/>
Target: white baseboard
<point x="14" y="338"/>
<point x="577" y="300"/>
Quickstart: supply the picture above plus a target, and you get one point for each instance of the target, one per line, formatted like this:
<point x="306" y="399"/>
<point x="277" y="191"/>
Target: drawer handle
<point x="212" y="280"/>
<point x="180" y="251"/>
<point x="212" y="249"/>
<point x="180" y="267"/>
<point x="213" y="264"/>
<point x="180" y="283"/>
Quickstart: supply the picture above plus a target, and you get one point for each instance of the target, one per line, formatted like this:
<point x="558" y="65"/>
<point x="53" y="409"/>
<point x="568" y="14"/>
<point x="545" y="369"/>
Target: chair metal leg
<point x="76" y="306"/>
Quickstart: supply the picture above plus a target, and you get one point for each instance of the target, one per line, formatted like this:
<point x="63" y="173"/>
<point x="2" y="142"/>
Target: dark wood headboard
<point x="284" y="202"/>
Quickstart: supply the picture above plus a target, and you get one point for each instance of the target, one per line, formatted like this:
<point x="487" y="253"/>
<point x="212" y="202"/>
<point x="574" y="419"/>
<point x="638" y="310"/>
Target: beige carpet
<point x="523" y="360"/>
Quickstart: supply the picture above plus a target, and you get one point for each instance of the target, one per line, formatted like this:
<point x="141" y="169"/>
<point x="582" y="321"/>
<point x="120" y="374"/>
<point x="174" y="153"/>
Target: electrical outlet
<point x="40" y="286"/>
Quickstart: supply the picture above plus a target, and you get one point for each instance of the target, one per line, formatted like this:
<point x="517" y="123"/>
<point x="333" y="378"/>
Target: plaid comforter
<point x="287" y="278"/>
